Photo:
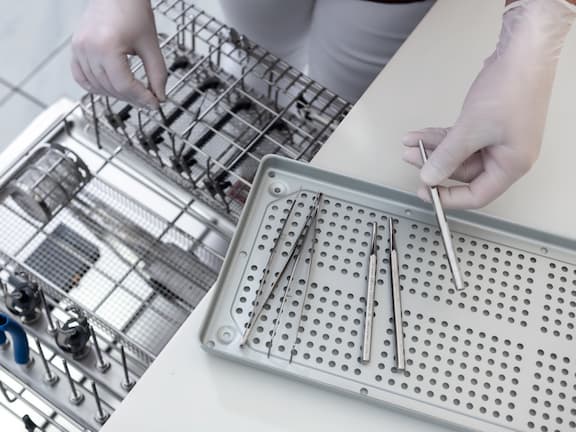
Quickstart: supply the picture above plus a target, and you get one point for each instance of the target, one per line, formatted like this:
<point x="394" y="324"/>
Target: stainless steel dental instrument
<point x="444" y="228"/>
<point x="308" y="278"/>
<point x="396" y="298"/>
<point x="369" y="318"/>
<point x="260" y="305"/>
<point x="265" y="273"/>
<point x="284" y="301"/>
<point x="297" y="258"/>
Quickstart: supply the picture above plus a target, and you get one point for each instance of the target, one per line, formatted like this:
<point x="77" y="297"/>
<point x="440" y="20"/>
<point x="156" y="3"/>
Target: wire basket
<point x="96" y="275"/>
<point x="229" y="103"/>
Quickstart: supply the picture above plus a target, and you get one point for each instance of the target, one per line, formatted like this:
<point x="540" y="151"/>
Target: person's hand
<point x="109" y="31"/>
<point x="498" y="134"/>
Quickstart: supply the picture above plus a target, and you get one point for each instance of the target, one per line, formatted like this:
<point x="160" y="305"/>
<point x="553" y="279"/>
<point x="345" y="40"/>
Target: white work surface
<point x="189" y="390"/>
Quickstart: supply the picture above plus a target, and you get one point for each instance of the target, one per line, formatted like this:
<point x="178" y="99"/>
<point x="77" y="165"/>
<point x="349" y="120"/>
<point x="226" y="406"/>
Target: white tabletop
<point x="187" y="389"/>
<point x="424" y="85"/>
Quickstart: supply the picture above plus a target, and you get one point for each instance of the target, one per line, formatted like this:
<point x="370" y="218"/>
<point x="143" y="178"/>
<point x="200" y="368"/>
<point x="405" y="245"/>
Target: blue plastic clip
<point x="19" y="340"/>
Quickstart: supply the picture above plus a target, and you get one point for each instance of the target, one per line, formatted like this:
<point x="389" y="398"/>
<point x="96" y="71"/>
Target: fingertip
<point x="410" y="139"/>
<point x="429" y="175"/>
<point x="153" y="105"/>
<point x="145" y="105"/>
<point x="423" y="194"/>
<point x="159" y="91"/>
<point x="406" y="156"/>
<point x="162" y="87"/>
<point x="412" y="157"/>
<point x="156" y="70"/>
<point x="149" y="100"/>
<point x="79" y="76"/>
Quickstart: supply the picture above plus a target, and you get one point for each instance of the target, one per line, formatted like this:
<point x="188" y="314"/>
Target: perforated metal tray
<point x="498" y="356"/>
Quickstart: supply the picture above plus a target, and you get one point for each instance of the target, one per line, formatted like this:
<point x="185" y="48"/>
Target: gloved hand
<point x="498" y="134"/>
<point x="109" y="31"/>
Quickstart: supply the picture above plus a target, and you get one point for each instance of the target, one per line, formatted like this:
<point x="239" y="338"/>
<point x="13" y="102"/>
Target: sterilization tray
<point x="497" y="356"/>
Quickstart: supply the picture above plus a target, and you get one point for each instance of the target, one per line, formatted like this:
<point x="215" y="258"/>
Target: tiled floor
<point x="33" y="36"/>
<point x="35" y="52"/>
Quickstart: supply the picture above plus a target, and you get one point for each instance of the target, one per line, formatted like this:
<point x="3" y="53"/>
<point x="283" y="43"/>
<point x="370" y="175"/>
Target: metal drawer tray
<point x="498" y="356"/>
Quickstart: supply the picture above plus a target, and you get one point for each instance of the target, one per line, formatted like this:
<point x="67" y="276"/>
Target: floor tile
<point x="30" y="30"/>
<point x="54" y="80"/>
<point x="15" y="114"/>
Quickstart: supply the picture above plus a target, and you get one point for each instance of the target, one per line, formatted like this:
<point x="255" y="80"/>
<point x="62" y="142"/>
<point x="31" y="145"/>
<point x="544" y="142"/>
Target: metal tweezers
<point x="296" y="259"/>
<point x="294" y="251"/>
<point x="396" y="298"/>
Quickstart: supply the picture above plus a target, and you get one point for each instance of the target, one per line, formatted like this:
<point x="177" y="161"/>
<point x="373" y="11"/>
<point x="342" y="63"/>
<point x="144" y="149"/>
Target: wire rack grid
<point x="229" y="103"/>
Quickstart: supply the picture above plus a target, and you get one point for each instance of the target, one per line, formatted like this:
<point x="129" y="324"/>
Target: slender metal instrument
<point x="308" y="278"/>
<point x="297" y="258"/>
<point x="259" y="305"/>
<point x="369" y="319"/>
<point x="396" y="298"/>
<point x="444" y="228"/>
<point x="265" y="273"/>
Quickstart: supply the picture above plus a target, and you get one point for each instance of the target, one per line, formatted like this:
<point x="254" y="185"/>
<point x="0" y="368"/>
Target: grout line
<point x="18" y="88"/>
<point x="44" y="62"/>
<point x="15" y="90"/>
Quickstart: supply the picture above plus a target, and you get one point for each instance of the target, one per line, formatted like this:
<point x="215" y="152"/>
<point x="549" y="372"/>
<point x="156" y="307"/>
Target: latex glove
<point x="498" y="134"/>
<point x="109" y="31"/>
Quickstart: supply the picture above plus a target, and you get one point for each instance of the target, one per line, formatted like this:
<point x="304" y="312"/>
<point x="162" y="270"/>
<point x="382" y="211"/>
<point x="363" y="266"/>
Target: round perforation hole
<point x="439" y="337"/>
<point x="494" y="280"/>
<point x="453" y="367"/>
<point x="549" y="408"/>
<point x="559" y="314"/>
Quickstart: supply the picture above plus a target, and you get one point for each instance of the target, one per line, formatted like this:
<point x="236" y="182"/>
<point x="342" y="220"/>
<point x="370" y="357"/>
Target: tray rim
<point x="475" y="218"/>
